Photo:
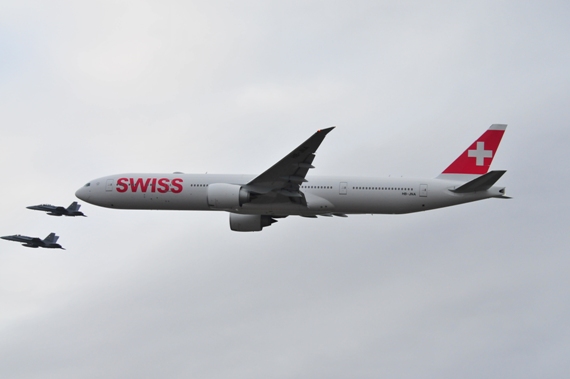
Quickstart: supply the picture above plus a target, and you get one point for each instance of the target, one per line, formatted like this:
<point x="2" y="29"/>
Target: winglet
<point x="327" y="130"/>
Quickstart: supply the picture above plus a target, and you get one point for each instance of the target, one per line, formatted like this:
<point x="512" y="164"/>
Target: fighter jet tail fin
<point x="74" y="207"/>
<point x="51" y="238"/>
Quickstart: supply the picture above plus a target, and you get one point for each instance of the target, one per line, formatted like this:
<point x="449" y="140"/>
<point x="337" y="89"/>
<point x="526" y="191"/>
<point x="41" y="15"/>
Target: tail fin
<point x="477" y="159"/>
<point x="51" y="238"/>
<point x="74" y="206"/>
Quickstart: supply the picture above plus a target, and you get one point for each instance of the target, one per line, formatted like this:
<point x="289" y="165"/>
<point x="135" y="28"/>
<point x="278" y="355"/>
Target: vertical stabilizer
<point x="74" y="207"/>
<point x="477" y="158"/>
<point x="51" y="238"/>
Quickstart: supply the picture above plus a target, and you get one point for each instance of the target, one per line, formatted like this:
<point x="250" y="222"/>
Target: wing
<point x="18" y="238"/>
<point x="283" y="179"/>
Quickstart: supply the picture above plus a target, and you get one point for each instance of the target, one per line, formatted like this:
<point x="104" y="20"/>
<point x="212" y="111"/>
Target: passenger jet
<point x="285" y="189"/>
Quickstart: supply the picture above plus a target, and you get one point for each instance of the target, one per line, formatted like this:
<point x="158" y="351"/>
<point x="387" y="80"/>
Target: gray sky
<point x="89" y="89"/>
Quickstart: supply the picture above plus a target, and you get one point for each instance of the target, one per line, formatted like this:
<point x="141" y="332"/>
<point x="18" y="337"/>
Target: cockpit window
<point x="88" y="184"/>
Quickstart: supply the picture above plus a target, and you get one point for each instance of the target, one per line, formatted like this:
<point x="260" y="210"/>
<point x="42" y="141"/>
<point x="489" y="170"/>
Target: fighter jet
<point x="50" y="242"/>
<point x="52" y="210"/>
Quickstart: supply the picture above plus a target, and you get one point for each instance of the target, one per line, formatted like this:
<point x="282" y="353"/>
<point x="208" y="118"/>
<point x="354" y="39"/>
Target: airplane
<point x="255" y="202"/>
<point x="50" y="242"/>
<point x="53" y="210"/>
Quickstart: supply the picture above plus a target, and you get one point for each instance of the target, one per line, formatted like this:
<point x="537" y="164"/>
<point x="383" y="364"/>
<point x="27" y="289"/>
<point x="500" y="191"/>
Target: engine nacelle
<point x="249" y="223"/>
<point x="227" y="196"/>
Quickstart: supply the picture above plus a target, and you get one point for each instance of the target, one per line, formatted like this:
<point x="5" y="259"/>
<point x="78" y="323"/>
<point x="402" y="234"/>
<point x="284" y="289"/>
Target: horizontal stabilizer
<point x="482" y="183"/>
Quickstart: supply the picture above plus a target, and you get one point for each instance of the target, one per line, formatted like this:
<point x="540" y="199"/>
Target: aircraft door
<point x="109" y="185"/>
<point x="423" y="190"/>
<point x="342" y="189"/>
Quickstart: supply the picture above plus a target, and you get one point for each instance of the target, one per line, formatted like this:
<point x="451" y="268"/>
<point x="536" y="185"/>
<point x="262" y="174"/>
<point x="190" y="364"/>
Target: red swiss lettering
<point x="163" y="186"/>
<point x="139" y="182"/>
<point x="176" y="186"/>
<point x="122" y="185"/>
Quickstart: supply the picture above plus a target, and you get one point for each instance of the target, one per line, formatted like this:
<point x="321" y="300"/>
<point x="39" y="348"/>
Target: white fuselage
<point x="323" y="194"/>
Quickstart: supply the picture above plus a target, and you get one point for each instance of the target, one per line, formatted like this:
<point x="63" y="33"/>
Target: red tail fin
<point x="478" y="157"/>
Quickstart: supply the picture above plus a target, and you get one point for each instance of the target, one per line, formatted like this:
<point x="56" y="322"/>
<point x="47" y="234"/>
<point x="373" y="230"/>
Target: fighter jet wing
<point x="45" y="208"/>
<point x="283" y="179"/>
<point x="17" y="238"/>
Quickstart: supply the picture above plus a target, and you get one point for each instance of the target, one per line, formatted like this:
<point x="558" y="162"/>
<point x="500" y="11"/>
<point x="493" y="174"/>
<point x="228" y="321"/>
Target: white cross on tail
<point x="480" y="153"/>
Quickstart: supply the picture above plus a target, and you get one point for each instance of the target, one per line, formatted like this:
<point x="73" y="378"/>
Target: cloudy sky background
<point x="98" y="88"/>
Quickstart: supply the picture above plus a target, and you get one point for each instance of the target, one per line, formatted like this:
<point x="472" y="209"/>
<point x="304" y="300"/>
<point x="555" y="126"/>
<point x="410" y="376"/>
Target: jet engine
<point x="249" y="223"/>
<point x="227" y="196"/>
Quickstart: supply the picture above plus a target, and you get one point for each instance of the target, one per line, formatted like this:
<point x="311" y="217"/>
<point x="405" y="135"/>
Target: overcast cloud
<point x="89" y="89"/>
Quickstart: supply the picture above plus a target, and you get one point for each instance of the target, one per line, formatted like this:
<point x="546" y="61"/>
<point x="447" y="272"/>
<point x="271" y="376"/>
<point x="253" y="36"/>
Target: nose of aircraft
<point x="83" y="193"/>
